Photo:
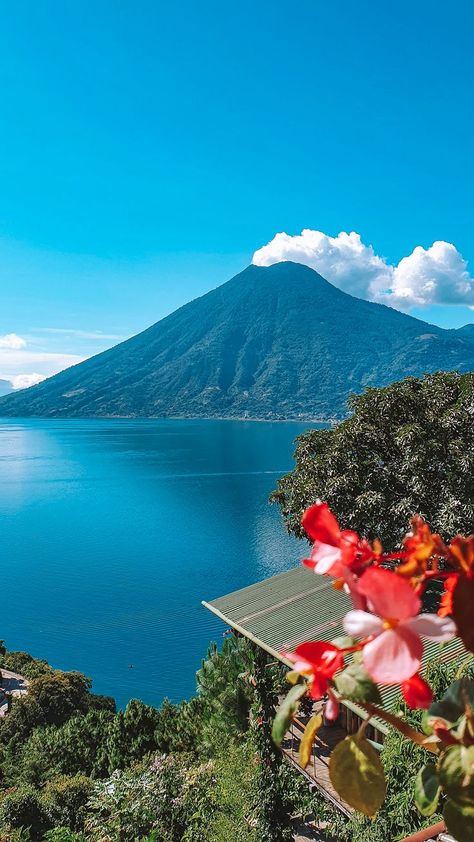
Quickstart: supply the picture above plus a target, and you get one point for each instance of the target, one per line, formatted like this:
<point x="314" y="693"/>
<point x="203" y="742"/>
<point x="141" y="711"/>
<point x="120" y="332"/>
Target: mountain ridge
<point x="272" y="342"/>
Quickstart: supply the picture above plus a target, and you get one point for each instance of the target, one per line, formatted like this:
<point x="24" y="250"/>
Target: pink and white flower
<point x="333" y="549"/>
<point x="394" y="650"/>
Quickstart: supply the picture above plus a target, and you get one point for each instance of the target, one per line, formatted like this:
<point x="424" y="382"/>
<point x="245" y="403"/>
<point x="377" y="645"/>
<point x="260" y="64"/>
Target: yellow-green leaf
<point x="286" y="712"/>
<point x="456" y="773"/>
<point x="427" y="790"/>
<point x="293" y="677"/>
<point x="307" y="740"/>
<point x="459" y="821"/>
<point x="357" y="774"/>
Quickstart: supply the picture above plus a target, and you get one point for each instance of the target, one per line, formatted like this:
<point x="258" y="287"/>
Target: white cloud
<point x="81" y="334"/>
<point x="27" y="361"/>
<point x="437" y="275"/>
<point x="12" y="340"/>
<point x="25" y="367"/>
<point x="23" y="381"/>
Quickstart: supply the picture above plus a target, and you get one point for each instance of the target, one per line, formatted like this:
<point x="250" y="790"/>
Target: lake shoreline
<point x="257" y="420"/>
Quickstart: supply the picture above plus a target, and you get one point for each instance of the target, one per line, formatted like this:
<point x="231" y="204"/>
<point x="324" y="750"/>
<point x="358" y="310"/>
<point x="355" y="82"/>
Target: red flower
<point x="417" y="693"/>
<point x="461" y="552"/>
<point x="331" y="708"/>
<point x="319" y="661"/>
<point x="446" y="602"/>
<point x="420" y="544"/>
<point x="333" y="549"/>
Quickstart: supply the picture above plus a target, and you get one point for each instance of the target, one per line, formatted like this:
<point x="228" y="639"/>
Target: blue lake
<point x="112" y="532"/>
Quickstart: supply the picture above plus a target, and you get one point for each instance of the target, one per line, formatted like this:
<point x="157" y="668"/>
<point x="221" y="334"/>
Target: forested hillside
<point x="273" y="342"/>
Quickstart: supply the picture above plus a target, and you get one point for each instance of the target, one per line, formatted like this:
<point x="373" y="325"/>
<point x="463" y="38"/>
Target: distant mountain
<point x="467" y="331"/>
<point x="5" y="387"/>
<point x="273" y="342"/>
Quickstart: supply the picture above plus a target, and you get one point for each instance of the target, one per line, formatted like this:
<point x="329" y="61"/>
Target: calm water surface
<point x="112" y="532"/>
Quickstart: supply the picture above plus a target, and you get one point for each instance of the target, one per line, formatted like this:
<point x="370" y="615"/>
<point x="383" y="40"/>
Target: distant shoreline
<point x="305" y="420"/>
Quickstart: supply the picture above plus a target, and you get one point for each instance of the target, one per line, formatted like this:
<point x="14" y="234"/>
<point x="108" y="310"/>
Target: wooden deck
<point x="317" y="770"/>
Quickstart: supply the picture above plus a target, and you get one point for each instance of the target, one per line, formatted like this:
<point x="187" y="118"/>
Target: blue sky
<point x="148" y="149"/>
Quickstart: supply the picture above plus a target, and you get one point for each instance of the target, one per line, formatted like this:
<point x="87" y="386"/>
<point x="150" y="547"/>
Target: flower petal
<point x="393" y="656"/>
<point x="362" y="624"/>
<point x="432" y="626"/>
<point x="320" y="524"/>
<point x="323" y="657"/>
<point x="331" y="708"/>
<point x="417" y="693"/>
<point x="318" y="686"/>
<point x="388" y="595"/>
<point x="327" y="559"/>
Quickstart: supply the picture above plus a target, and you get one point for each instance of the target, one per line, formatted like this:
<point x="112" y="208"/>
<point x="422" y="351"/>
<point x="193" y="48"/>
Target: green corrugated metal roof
<point x="287" y="609"/>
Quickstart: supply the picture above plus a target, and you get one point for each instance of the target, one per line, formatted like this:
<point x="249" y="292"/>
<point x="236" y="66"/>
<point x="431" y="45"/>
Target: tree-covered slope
<point x="407" y="448"/>
<point x="276" y="342"/>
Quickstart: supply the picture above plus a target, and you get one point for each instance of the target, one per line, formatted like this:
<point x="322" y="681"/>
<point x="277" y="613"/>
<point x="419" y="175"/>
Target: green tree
<point x="224" y="690"/>
<point x="78" y="746"/>
<point x="406" y="448"/>
<point x="172" y="796"/>
<point x="23" y="663"/>
<point x="140" y="725"/>
<point x="24" y="808"/>
<point x="52" y="699"/>
<point x="271" y="804"/>
<point x="232" y="818"/>
<point x="65" y="799"/>
<point x="63" y="834"/>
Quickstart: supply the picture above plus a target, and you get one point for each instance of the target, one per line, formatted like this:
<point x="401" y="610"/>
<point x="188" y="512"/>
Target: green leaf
<point x="427" y="790"/>
<point x="355" y="684"/>
<point x="452" y="705"/>
<point x="293" y="677"/>
<point x="357" y="775"/>
<point x="456" y="770"/>
<point x="426" y="724"/>
<point x="343" y="642"/>
<point x="286" y="712"/>
<point x="459" y="821"/>
<point x="307" y="740"/>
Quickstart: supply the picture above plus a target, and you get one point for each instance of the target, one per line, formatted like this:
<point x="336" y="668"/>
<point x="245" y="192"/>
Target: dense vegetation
<point x="273" y="342"/>
<point x="72" y="768"/>
<point x="406" y="448"/>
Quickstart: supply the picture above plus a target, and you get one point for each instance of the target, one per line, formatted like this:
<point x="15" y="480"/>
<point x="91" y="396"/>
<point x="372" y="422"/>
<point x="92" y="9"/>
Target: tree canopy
<point x="407" y="448"/>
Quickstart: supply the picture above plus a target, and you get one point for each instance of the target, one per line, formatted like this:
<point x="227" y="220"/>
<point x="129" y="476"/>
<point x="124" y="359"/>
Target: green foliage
<point x="427" y="789"/>
<point x="354" y="683"/>
<point x="286" y="712"/>
<point x="63" y="834"/>
<point x="357" y="774"/>
<point x="224" y="689"/>
<point x="24" y="808"/>
<point x="52" y="699"/>
<point x="171" y="796"/>
<point x="401" y="759"/>
<point x="65" y="799"/>
<point x="407" y="448"/>
<point x="234" y="777"/>
<point x="24" y="664"/>
<point x="78" y="746"/>
<point x="271" y="806"/>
